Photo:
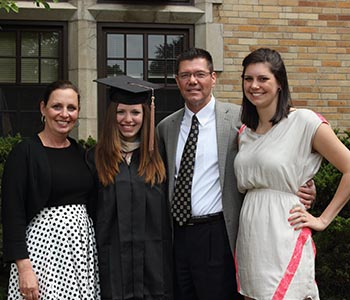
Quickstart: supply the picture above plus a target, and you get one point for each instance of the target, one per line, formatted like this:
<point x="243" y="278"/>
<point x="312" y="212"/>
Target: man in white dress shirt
<point x="204" y="267"/>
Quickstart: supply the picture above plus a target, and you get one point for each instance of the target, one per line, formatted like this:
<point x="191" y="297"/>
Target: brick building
<point x="83" y="40"/>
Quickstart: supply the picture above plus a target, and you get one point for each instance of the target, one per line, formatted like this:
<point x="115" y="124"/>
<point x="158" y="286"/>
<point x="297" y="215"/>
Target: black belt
<point x="205" y="219"/>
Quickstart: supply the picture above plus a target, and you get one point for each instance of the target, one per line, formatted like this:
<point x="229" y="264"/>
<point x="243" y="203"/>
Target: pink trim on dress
<point x="293" y="264"/>
<point x="241" y="129"/>
<point x="237" y="277"/>
<point x="322" y="118"/>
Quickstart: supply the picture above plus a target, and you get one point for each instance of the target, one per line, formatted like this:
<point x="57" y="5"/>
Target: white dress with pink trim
<point x="273" y="260"/>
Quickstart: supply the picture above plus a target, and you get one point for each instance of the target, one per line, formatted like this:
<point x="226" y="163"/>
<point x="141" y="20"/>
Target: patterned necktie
<point x="181" y="205"/>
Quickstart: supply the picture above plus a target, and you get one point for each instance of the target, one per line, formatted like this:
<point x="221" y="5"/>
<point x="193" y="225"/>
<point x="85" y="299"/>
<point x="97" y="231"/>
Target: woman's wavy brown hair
<point x="108" y="154"/>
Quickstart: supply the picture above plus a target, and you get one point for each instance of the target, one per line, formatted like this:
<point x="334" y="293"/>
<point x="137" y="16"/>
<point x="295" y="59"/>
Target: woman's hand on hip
<point x="300" y="218"/>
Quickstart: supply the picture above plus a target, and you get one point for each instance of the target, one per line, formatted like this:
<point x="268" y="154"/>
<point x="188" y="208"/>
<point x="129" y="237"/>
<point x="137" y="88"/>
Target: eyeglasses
<point x="198" y="75"/>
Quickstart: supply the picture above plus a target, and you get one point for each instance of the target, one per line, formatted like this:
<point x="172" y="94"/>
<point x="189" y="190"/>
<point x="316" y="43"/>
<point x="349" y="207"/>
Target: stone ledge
<point x="170" y="14"/>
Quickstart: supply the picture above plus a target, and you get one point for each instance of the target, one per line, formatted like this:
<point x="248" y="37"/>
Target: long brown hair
<point x="108" y="154"/>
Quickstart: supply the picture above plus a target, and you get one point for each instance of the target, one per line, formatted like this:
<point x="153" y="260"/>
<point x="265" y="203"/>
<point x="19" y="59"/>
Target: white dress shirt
<point x="206" y="190"/>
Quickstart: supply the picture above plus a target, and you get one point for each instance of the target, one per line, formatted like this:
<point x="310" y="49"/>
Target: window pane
<point x="49" y="70"/>
<point x="156" y="70"/>
<point x="170" y="71"/>
<point x="115" y="67"/>
<point x="8" y="44"/>
<point x="30" y="71"/>
<point x="134" y="68"/>
<point x="8" y="70"/>
<point x="30" y="57"/>
<point x="30" y="46"/>
<point x="175" y="44"/>
<point x="5" y="121"/>
<point x="8" y="123"/>
<point x="115" y="45"/>
<point x="156" y="46"/>
<point x="134" y="46"/>
<point x="49" y="44"/>
<point x="29" y="122"/>
<point x="29" y="97"/>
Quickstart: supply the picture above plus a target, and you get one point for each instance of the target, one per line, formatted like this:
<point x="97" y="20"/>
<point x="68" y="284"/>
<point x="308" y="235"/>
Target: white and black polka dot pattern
<point x="62" y="250"/>
<point x="181" y="205"/>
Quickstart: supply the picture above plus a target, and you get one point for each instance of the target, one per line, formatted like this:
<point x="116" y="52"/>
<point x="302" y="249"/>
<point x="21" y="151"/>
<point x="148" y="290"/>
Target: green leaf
<point x="14" y="7"/>
<point x="46" y="5"/>
<point x="9" y="5"/>
<point x="42" y="2"/>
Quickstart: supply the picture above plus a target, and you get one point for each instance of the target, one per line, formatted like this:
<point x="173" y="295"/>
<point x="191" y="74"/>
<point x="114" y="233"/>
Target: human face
<point x="261" y="87"/>
<point x="195" y="91"/>
<point x="61" y="111"/>
<point x="129" y="120"/>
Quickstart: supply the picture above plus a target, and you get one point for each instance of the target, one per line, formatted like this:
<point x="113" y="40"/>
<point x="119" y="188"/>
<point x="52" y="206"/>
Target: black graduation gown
<point x="133" y="234"/>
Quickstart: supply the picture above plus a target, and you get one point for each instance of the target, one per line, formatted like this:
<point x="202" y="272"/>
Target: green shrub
<point x="333" y="260"/>
<point x="327" y="180"/>
<point x="88" y="143"/>
<point x="6" y="144"/>
<point x="3" y="292"/>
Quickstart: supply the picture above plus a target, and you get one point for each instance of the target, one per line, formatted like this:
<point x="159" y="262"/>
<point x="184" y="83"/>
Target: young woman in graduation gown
<point x="132" y="218"/>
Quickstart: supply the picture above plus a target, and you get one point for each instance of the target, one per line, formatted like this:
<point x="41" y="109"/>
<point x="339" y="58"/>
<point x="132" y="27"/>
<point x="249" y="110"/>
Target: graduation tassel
<point x="151" y="126"/>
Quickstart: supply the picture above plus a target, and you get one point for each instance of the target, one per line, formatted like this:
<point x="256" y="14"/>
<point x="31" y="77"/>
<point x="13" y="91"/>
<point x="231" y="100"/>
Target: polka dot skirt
<point x="62" y="250"/>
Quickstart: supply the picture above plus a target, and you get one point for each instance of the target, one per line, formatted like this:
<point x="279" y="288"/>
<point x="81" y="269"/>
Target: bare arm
<point x="331" y="148"/>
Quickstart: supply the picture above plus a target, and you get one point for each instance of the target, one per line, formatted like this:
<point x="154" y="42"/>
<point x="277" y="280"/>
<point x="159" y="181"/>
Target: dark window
<point x="147" y="53"/>
<point x="31" y="57"/>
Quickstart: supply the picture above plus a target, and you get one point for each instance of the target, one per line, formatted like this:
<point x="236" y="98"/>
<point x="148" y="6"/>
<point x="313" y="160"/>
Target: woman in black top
<point x="133" y="230"/>
<point x="47" y="234"/>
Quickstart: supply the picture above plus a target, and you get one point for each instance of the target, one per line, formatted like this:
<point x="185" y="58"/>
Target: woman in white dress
<point x="280" y="148"/>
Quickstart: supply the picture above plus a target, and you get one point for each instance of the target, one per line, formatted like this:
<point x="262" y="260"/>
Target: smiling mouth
<point x="128" y="127"/>
<point x="63" y="122"/>
<point x="257" y="94"/>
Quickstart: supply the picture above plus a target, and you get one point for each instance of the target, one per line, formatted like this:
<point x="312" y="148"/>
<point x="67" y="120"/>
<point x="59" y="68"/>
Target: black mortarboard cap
<point x="128" y="90"/>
